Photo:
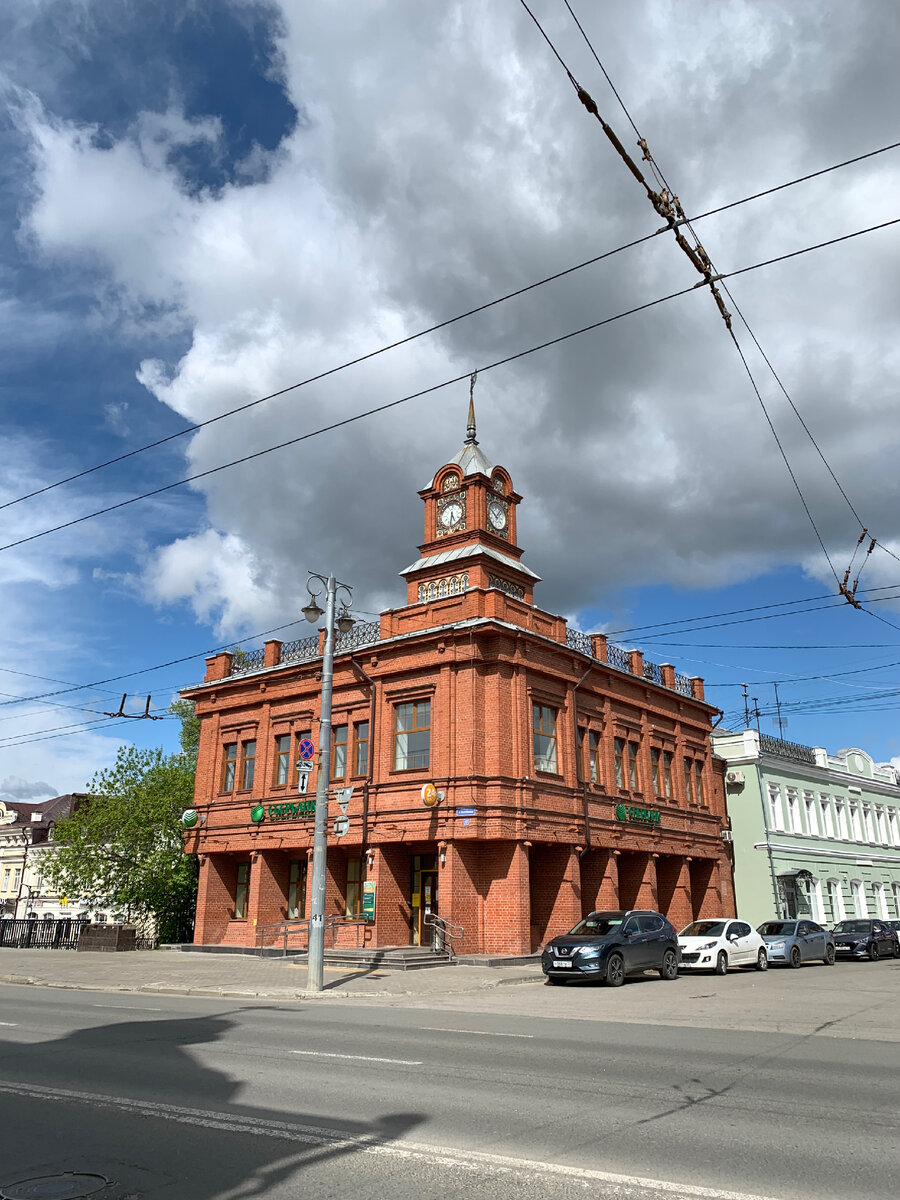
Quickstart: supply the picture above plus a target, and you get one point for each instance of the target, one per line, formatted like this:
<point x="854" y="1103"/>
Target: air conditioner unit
<point x="734" y="776"/>
<point x="727" y="835"/>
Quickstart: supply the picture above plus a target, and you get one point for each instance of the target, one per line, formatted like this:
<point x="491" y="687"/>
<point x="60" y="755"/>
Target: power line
<point x="447" y="322"/>
<point x="436" y="387"/>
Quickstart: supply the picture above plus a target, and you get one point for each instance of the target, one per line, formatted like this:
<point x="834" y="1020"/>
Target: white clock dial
<point x="450" y="514"/>
<point x="497" y="516"/>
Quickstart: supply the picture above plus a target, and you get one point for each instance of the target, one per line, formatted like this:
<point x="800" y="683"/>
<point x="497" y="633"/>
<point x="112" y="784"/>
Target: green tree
<point x="123" y="846"/>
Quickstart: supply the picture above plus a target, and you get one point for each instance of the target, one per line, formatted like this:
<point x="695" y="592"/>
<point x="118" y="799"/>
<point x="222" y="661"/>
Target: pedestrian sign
<point x="306" y="749"/>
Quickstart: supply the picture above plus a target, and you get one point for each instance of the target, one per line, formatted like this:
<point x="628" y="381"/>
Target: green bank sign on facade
<point x="628" y="812"/>
<point x="289" y="810"/>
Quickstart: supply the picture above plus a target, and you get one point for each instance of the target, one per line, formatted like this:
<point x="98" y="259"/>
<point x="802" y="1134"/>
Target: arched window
<point x="858" y="893"/>
<point x="880" y="900"/>
<point x="835" y="900"/>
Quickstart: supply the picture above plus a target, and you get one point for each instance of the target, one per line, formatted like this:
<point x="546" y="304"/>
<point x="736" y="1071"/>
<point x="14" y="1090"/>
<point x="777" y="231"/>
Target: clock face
<point x="451" y="514"/>
<point x="497" y="515"/>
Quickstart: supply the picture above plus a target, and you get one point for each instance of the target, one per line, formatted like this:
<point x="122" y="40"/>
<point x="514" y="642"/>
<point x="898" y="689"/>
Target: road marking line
<point x="129" y="1007"/>
<point x="400" y="1062"/>
<point x="474" y="1032"/>
<point x="630" y="1187"/>
<point x="11" y="1024"/>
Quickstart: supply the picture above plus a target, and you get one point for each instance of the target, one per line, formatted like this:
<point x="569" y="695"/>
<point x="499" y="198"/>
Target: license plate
<point x="557" y="963"/>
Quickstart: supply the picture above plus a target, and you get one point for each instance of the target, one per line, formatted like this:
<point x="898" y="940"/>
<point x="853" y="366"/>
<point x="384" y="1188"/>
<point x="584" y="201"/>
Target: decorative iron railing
<point x="244" y="661"/>
<point x="32" y="934"/>
<point x="576" y="640"/>
<point x="653" y="672"/>
<point x="363" y="633"/>
<point x="774" y="745"/>
<point x="617" y="657"/>
<point x="300" y="650"/>
<point x="683" y="685"/>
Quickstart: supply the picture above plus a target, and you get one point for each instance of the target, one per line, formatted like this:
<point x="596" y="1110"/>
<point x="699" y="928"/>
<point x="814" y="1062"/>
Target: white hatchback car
<point x="716" y="945"/>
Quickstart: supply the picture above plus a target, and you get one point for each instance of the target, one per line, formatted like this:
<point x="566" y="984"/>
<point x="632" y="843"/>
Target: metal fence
<point x="31" y="934"/>
<point x="774" y="745"/>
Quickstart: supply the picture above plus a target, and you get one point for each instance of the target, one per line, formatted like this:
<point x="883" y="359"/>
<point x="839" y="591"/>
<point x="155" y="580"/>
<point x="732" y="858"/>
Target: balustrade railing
<point x="245" y="661"/>
<point x="576" y="640"/>
<point x="363" y="633"/>
<point x="683" y="685"/>
<point x="31" y="934"/>
<point x="653" y="672"/>
<point x="617" y="657"/>
<point x="300" y="650"/>
<point x="774" y="745"/>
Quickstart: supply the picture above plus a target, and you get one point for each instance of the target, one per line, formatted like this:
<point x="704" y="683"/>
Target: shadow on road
<point x="129" y="1101"/>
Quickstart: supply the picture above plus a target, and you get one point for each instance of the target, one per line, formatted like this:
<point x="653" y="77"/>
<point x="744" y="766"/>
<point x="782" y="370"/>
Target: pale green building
<point x="814" y="834"/>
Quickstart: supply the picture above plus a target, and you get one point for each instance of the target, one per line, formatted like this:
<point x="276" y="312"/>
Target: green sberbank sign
<point x="628" y="812"/>
<point x="285" y="811"/>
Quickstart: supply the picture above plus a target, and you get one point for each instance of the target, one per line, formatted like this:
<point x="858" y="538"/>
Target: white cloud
<point x="443" y="160"/>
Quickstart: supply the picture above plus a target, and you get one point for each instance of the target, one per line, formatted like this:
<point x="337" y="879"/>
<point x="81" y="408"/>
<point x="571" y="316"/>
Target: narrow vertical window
<point x="282" y="759"/>
<point x="544" y="736"/>
<point x="248" y="763"/>
<point x="412" y="735"/>
<point x="361" y="751"/>
<point x="579" y="755"/>
<point x="338" y="751"/>
<point x="241" y="891"/>
<point x="688" y="781"/>
<point x="619" y="751"/>
<point x="228" y="766"/>
<point x="656" y="770"/>
<point x="667" y="774"/>
<point x="352" y="900"/>
<point x="633" y="780"/>
<point x="297" y="890"/>
<point x="594" y="755"/>
<point x="698" y="781"/>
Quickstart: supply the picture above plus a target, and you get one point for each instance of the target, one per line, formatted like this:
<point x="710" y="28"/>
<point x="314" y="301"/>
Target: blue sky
<point x="204" y="203"/>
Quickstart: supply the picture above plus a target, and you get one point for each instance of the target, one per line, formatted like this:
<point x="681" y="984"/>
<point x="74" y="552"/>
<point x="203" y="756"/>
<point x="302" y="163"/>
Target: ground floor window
<point x="858" y="892"/>
<point x="835" y="900"/>
<point x="297" y="890"/>
<point x="241" y="891"/>
<point x="353" y="886"/>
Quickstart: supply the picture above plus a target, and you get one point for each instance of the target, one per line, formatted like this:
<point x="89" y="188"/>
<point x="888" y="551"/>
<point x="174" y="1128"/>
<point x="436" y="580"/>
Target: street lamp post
<point x="313" y="613"/>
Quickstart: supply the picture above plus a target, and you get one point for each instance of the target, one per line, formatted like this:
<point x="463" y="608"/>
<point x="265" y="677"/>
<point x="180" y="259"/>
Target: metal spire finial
<point x="471" y="440"/>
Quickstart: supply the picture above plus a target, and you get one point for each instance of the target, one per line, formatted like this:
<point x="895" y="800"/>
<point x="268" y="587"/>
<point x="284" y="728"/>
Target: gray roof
<point x="461" y="552"/>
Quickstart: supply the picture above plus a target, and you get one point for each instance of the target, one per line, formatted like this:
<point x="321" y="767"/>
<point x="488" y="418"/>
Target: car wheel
<point x="829" y="956"/>
<point x="796" y="957"/>
<point x="722" y="963"/>
<point x="873" y="952"/>
<point x="615" y="970"/>
<point x="669" y="968"/>
<point x="762" y="960"/>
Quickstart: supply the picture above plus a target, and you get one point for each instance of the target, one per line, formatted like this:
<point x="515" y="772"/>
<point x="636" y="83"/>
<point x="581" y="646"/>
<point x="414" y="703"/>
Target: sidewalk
<point x="191" y="974"/>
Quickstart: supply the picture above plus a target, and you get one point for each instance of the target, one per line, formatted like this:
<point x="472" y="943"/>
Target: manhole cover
<point x="53" y="1187"/>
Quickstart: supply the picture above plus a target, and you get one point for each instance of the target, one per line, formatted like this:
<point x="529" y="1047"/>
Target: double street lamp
<point x="344" y="623"/>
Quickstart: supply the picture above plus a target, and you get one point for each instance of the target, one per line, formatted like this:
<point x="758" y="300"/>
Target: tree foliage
<point x="123" y="846"/>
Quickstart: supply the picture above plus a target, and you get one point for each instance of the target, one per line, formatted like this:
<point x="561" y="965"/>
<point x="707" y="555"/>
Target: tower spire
<point x="471" y="439"/>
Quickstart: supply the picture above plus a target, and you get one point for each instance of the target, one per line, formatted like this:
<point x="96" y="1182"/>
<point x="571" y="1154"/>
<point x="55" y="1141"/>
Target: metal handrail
<point x="284" y="929"/>
<point x="444" y="932"/>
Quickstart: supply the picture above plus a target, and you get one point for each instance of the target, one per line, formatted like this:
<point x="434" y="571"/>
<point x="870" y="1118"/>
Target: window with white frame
<point x="856" y="831"/>
<point x="835" y="899"/>
<point x="826" y="817"/>
<point x="815" y="896"/>
<point x="858" y="895"/>
<point x="895" y="888"/>
<point x="840" y="809"/>
<point x="881" y="825"/>
<point x="869" y="823"/>
<point x="893" y="834"/>
<point x="795" y="823"/>
<point x="880" y="900"/>
<point x="776" y="814"/>
<point x="812" y="820"/>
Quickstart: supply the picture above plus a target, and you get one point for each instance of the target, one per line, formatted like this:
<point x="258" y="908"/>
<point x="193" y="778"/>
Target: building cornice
<point x="858" y="858"/>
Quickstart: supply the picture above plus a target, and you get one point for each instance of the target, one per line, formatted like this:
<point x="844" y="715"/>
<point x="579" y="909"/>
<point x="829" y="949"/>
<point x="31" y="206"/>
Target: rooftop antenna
<point x="781" y="723"/>
<point x="746" y="708"/>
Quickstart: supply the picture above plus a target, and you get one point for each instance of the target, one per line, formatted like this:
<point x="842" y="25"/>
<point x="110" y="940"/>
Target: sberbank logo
<point x="189" y="818"/>
<point x="629" y="812"/>
<point x="282" y="812"/>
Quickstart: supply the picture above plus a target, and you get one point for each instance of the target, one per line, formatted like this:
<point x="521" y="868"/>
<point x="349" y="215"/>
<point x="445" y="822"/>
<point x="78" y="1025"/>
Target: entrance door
<point x="423" y="899"/>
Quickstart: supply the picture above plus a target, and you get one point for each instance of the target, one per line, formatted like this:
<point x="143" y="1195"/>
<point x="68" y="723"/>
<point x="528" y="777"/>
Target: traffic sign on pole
<point x="303" y="783"/>
<point x="341" y="826"/>
<point x="304" y="764"/>
<point x="306" y="749"/>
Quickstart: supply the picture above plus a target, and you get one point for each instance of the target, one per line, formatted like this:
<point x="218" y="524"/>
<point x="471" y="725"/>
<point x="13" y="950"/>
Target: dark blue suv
<point x="611" y="945"/>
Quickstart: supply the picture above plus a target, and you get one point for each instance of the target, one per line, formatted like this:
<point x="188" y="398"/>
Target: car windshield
<point x="784" y="928"/>
<point x="704" y="929"/>
<point x="852" y="927"/>
<point x="597" y="925"/>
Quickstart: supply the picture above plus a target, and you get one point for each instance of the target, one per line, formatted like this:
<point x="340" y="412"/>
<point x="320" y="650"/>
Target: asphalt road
<point x="176" y="1097"/>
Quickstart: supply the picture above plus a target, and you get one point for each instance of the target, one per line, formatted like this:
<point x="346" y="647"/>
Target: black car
<point x="611" y="945"/>
<point x="864" y="938"/>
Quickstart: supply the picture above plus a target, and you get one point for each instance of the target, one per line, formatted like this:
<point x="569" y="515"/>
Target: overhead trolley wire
<point x="509" y="358"/>
<point x="446" y="323"/>
<point x="666" y="203"/>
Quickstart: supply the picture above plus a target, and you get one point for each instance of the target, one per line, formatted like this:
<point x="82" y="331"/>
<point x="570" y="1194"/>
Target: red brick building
<point x="574" y="774"/>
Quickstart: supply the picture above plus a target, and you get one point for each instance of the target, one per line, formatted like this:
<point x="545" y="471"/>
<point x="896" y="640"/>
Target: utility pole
<point x="746" y="707"/>
<point x="313" y="613"/>
<point x="778" y="708"/>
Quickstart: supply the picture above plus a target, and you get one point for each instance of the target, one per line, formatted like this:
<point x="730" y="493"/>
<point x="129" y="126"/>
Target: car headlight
<point x="708" y="946"/>
<point x="589" y="951"/>
<point x="776" y="945"/>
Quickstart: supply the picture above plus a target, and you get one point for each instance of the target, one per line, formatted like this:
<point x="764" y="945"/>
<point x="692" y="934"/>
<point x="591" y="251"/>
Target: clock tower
<point x="470" y="530"/>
